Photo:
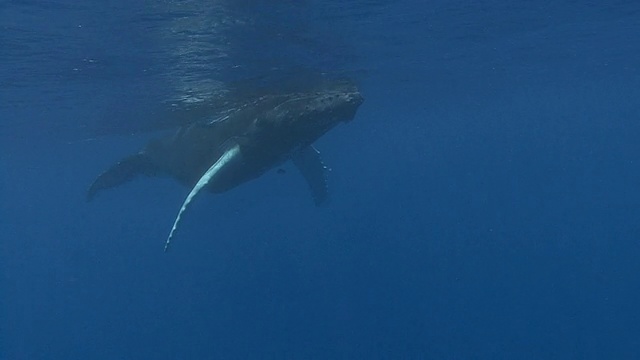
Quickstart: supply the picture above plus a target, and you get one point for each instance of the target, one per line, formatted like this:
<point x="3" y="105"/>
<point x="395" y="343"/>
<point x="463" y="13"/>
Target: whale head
<point x="306" y="116"/>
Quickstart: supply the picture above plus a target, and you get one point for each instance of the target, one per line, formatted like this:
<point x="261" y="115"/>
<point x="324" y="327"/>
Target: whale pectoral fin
<point x="310" y="165"/>
<point x="228" y="156"/>
<point x="124" y="171"/>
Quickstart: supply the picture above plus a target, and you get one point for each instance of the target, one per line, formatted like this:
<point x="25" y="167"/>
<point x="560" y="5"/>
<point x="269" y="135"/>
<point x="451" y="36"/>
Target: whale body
<point x="223" y="150"/>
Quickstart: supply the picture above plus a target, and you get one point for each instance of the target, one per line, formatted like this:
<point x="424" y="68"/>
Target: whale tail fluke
<point x="123" y="171"/>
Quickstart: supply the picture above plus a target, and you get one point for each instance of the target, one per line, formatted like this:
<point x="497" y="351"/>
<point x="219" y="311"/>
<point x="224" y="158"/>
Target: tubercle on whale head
<point x="321" y="107"/>
<point x="334" y="104"/>
<point x="339" y="105"/>
<point x="353" y="102"/>
<point x="299" y="119"/>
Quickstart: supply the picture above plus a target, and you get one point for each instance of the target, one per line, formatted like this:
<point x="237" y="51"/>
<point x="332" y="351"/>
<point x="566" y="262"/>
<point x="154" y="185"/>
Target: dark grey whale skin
<point x="269" y="130"/>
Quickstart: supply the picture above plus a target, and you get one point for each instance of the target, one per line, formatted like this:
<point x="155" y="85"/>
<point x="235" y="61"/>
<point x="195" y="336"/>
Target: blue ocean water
<point x="485" y="200"/>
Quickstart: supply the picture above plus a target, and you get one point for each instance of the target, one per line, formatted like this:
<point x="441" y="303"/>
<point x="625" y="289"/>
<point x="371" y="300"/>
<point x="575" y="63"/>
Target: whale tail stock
<point x="124" y="171"/>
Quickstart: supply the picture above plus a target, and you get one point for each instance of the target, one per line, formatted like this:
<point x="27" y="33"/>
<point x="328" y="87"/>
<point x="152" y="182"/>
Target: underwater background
<point x="485" y="200"/>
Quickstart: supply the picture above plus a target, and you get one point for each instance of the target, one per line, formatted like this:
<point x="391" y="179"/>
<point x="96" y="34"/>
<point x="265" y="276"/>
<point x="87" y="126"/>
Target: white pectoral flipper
<point x="310" y="165"/>
<point x="228" y="156"/>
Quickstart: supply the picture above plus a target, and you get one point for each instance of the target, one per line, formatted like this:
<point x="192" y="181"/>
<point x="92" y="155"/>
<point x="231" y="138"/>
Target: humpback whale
<point x="223" y="150"/>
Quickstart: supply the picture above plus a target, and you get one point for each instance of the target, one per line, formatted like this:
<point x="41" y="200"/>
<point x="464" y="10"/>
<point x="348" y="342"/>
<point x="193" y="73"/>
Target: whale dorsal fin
<point x="228" y="156"/>
<point x="310" y="165"/>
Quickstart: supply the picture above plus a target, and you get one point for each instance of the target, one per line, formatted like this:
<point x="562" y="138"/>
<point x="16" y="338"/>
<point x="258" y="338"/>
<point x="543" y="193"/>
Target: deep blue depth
<point x="485" y="200"/>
